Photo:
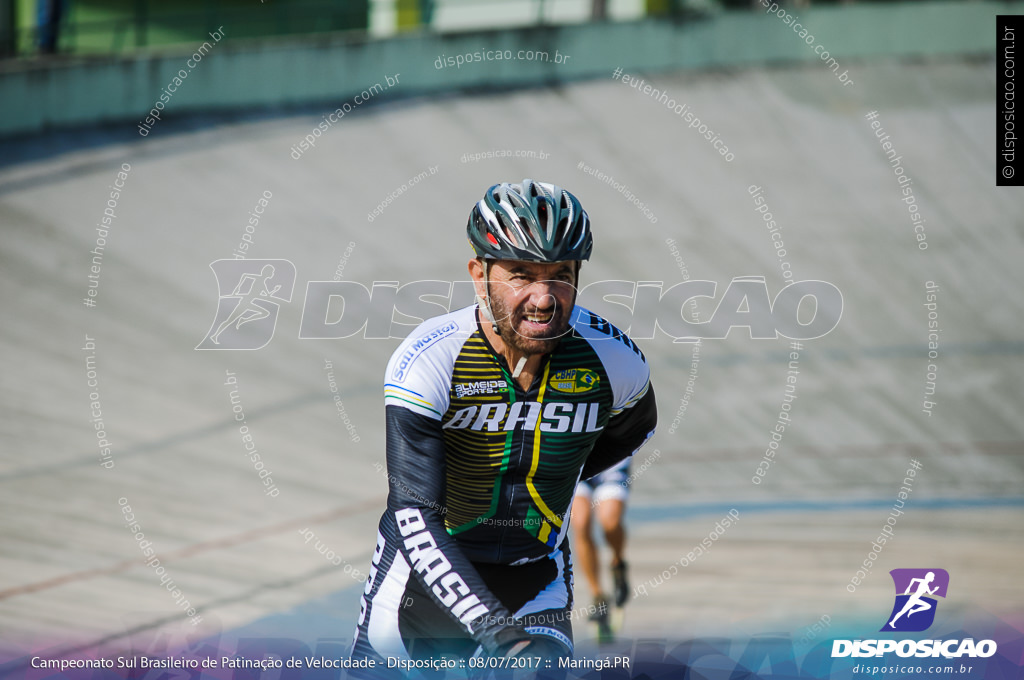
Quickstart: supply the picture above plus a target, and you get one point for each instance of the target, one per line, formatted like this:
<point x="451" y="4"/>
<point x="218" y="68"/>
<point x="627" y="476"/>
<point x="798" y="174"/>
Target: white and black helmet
<point x="534" y="221"/>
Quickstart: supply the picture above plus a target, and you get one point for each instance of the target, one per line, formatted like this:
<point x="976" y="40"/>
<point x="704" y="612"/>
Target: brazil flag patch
<point x="574" y="380"/>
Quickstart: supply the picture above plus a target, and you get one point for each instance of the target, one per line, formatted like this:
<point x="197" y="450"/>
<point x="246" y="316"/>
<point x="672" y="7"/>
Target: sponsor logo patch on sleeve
<point x="418" y="347"/>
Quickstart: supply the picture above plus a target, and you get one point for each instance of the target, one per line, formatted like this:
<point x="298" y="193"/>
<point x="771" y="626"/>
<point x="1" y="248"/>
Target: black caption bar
<point x="1008" y="153"/>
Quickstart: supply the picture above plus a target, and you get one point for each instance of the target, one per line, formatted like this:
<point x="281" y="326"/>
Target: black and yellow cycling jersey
<point x="482" y="472"/>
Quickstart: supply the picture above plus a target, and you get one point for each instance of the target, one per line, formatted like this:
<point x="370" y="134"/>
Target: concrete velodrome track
<point x="72" y="575"/>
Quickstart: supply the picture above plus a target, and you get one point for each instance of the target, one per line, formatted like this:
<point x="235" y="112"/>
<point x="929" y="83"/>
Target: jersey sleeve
<point x="418" y="375"/>
<point x="415" y="457"/>
<point x="634" y="412"/>
<point x="417" y="385"/>
<point x="625" y="433"/>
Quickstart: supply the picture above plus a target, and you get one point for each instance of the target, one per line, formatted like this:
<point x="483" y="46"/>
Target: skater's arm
<point x="625" y="433"/>
<point x="416" y="471"/>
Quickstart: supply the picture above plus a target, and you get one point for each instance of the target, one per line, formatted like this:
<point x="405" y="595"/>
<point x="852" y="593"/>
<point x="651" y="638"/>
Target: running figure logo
<point x="251" y="293"/>
<point x="914" y="610"/>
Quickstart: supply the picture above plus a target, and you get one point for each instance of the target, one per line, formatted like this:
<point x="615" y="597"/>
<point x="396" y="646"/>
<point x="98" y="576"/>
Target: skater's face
<point x="531" y="301"/>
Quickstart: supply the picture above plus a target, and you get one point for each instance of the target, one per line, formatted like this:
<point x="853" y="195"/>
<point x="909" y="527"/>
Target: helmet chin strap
<point x="485" y="306"/>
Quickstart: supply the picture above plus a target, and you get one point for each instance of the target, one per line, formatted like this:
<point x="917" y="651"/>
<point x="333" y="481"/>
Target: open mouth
<point x="539" y="321"/>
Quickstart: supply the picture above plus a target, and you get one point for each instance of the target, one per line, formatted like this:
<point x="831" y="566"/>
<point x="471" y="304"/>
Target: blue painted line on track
<point x="656" y="513"/>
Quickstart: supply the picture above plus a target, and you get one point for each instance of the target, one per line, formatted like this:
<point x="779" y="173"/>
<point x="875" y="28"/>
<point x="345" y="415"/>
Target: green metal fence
<point x="86" y="27"/>
<point x="114" y="26"/>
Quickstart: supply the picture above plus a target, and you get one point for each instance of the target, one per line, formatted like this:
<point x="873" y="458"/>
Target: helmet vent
<point x="563" y="226"/>
<point x="508" y="230"/>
